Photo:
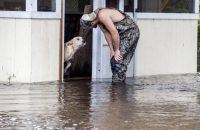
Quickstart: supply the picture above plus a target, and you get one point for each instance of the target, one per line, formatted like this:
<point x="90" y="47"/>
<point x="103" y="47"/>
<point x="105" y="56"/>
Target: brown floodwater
<point x="170" y="102"/>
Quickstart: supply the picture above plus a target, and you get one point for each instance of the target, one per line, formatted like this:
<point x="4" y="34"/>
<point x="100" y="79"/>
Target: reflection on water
<point x="198" y="98"/>
<point x="146" y="103"/>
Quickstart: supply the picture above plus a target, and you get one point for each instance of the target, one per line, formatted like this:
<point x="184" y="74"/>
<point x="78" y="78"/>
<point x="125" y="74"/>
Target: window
<point x="166" y="6"/>
<point x="112" y="4"/>
<point x="47" y="5"/>
<point x="76" y="6"/>
<point x="12" y="5"/>
<point x="50" y="9"/>
<point x="128" y="5"/>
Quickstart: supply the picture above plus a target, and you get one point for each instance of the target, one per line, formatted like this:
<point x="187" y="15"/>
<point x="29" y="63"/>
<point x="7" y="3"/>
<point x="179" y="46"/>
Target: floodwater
<point x="170" y="102"/>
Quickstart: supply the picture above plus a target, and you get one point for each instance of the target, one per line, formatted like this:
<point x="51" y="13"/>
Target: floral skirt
<point x="128" y="43"/>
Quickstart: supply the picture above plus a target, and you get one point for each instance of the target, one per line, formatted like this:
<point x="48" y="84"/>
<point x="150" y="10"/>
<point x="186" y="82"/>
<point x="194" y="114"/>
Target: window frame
<point x="31" y="12"/>
<point x="146" y="15"/>
<point x="117" y="3"/>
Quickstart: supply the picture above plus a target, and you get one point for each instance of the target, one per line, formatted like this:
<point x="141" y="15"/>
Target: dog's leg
<point x="67" y="67"/>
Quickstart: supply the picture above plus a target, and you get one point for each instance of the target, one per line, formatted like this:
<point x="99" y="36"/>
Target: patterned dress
<point x="129" y="35"/>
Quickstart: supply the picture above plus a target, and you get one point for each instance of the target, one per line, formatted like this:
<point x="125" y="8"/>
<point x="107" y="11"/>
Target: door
<point x="81" y="66"/>
<point x="101" y="59"/>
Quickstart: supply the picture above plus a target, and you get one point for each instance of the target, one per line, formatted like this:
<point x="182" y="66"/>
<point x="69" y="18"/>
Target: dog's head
<point x="77" y="42"/>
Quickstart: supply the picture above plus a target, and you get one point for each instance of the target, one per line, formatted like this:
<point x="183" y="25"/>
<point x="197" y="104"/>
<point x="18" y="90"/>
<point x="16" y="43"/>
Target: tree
<point x="177" y="6"/>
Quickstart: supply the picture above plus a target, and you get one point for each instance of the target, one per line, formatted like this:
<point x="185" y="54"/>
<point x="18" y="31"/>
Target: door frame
<point x="62" y="39"/>
<point x="96" y="38"/>
<point x="97" y="62"/>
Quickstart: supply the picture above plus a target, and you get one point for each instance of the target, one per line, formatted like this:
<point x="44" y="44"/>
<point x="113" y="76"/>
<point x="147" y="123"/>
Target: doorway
<point x="82" y="62"/>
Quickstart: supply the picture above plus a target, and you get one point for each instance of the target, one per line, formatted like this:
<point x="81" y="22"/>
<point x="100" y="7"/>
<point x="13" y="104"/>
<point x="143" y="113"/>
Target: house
<point x="33" y="33"/>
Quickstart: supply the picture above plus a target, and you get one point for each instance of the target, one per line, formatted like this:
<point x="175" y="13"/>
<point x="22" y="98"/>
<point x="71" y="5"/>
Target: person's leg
<point x="118" y="71"/>
<point x="127" y="50"/>
<point x="130" y="50"/>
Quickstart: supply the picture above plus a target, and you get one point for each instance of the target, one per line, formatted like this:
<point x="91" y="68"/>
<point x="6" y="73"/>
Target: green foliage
<point x="175" y="10"/>
<point x="175" y="6"/>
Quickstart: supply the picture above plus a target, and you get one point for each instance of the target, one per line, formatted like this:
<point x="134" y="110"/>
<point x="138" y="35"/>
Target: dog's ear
<point x="69" y="43"/>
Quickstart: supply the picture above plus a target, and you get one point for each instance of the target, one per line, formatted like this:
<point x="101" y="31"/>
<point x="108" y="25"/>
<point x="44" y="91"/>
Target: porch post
<point x="96" y="46"/>
<point x="62" y="4"/>
<point x="196" y="6"/>
<point x="121" y="5"/>
<point x="28" y="5"/>
<point x="135" y="5"/>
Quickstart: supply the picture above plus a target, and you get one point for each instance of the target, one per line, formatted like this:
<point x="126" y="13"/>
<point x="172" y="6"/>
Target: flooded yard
<point x="170" y="102"/>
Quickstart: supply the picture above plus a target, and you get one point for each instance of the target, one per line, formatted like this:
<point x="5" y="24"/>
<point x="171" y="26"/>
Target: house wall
<point x="45" y="50"/>
<point x="15" y="48"/>
<point x="29" y="50"/>
<point x="166" y="47"/>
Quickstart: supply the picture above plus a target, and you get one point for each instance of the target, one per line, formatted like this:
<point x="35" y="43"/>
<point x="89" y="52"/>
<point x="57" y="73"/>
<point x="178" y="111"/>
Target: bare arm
<point x="106" y="20"/>
<point x="108" y="39"/>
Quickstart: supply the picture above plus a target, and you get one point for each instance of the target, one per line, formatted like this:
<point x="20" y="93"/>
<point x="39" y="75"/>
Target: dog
<point x="71" y="47"/>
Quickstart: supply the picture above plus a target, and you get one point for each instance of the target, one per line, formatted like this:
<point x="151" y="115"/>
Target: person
<point x="121" y="33"/>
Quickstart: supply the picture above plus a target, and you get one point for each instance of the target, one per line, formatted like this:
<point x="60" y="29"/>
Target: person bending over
<point x="121" y="33"/>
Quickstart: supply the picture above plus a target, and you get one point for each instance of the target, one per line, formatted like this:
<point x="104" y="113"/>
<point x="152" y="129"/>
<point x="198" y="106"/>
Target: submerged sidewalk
<point x="145" y="103"/>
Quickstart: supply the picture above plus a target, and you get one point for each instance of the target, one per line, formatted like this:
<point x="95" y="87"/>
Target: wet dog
<point x="71" y="47"/>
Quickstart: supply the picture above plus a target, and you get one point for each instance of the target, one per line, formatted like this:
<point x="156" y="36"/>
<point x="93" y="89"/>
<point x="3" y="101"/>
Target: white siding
<point x="23" y="49"/>
<point x="166" y="47"/>
<point x="45" y="50"/>
<point x="15" y="50"/>
<point x="29" y="50"/>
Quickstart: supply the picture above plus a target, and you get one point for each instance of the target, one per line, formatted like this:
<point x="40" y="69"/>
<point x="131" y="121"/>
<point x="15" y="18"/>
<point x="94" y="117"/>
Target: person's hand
<point x="112" y="53"/>
<point x="118" y="56"/>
